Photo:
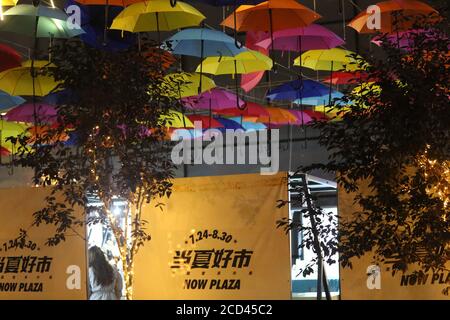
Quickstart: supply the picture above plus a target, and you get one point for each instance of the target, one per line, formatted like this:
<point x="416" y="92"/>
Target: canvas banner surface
<point x="369" y="281"/>
<point x="31" y="269"/>
<point x="216" y="238"/>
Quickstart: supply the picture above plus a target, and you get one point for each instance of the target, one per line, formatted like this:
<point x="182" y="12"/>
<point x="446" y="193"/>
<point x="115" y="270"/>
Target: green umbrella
<point x="51" y="22"/>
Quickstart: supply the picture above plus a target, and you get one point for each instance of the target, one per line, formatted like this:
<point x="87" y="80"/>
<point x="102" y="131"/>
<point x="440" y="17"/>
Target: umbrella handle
<point x="173" y="3"/>
<point x="236" y="42"/>
<point x="243" y="107"/>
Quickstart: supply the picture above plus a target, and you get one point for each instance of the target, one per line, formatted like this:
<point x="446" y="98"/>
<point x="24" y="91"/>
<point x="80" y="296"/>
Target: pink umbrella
<point x="214" y="100"/>
<point x="301" y="39"/>
<point x="25" y="113"/>
<point x="251" y="80"/>
<point x="207" y="122"/>
<point x="406" y="39"/>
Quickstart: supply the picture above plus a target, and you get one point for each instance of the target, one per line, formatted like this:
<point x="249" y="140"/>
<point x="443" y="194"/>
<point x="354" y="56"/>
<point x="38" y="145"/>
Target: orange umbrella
<point x="278" y="116"/>
<point x="406" y="12"/>
<point x="271" y="16"/>
<point x="45" y="132"/>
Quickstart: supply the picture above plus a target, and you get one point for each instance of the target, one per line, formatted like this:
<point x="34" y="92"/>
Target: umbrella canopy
<point x="9" y="3"/>
<point x="302" y="117"/>
<point x="176" y="119"/>
<point x="293" y="90"/>
<point x="188" y="83"/>
<point x="249" y="125"/>
<point x="310" y="37"/>
<point x="251" y="110"/>
<point x="206" y="121"/>
<point x="4" y="152"/>
<point x="245" y="62"/>
<point x="331" y="59"/>
<point x="9" y="58"/>
<point x="7" y="101"/>
<point x="406" y="39"/>
<point x="229" y="124"/>
<point x="319" y="100"/>
<point x="157" y="15"/>
<point x="10" y="129"/>
<point x="25" y="113"/>
<point x="270" y="16"/>
<point x="122" y="3"/>
<point x="202" y="42"/>
<point x="346" y="77"/>
<point x="18" y="81"/>
<point x="52" y="22"/>
<point x="221" y="3"/>
<point x="315" y="115"/>
<point x="215" y="100"/>
<point x="278" y="116"/>
<point x="409" y="9"/>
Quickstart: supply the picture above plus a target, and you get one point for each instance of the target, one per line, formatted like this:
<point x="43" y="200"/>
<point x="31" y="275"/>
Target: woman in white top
<point x="105" y="282"/>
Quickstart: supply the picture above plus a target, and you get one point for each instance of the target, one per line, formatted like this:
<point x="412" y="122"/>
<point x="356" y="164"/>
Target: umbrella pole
<point x="236" y="42"/>
<point x="210" y="112"/>
<point x="33" y="72"/>
<point x="157" y="28"/>
<point x="331" y="82"/>
<point x="202" y="44"/>
<point x="271" y="39"/>
<point x="236" y="84"/>
<point x="182" y="105"/>
<point x="105" y="31"/>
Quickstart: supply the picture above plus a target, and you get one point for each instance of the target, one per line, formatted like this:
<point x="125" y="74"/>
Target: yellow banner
<point x="216" y="238"/>
<point x="31" y="269"/>
<point x="369" y="281"/>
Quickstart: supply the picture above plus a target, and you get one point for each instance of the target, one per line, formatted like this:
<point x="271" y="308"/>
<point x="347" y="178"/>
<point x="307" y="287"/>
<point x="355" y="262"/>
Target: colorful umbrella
<point x="27" y="113"/>
<point x="302" y="117"/>
<point x="206" y="121"/>
<point x="406" y="39"/>
<point x="234" y="3"/>
<point x="310" y="37"/>
<point x="186" y="84"/>
<point x="329" y="60"/>
<point x="19" y="82"/>
<point x="213" y="100"/>
<point x="251" y="80"/>
<point x="176" y="119"/>
<point x="245" y="62"/>
<point x="9" y="3"/>
<point x="228" y="124"/>
<point x="271" y="16"/>
<point x="319" y="100"/>
<point x="51" y="22"/>
<point x="202" y="42"/>
<point x="4" y="152"/>
<point x="318" y="116"/>
<point x="251" y="109"/>
<point x="346" y="77"/>
<point x="96" y="17"/>
<point x="249" y="125"/>
<point x="9" y="58"/>
<point x="9" y="129"/>
<point x="278" y="116"/>
<point x="390" y="20"/>
<point x="157" y="15"/>
<point x="298" y="89"/>
<point x="7" y="101"/>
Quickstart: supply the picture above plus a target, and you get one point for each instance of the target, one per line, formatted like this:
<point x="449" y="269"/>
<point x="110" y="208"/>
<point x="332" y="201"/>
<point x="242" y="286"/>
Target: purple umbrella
<point x="311" y="37"/>
<point x="213" y="100"/>
<point x="406" y="39"/>
<point x="25" y="113"/>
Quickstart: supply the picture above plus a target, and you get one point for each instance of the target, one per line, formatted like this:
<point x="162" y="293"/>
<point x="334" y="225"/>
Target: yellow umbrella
<point x="8" y="3"/>
<point x="19" y="82"/>
<point x="157" y="15"/>
<point x="187" y="84"/>
<point x="176" y="119"/>
<point x="246" y="62"/>
<point x="10" y="129"/>
<point x="329" y="59"/>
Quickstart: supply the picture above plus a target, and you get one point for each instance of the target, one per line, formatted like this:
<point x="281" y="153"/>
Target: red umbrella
<point x="207" y="122"/>
<point x="9" y="58"/>
<point x="4" y="152"/>
<point x="251" y="110"/>
<point x="346" y="77"/>
<point x="315" y="115"/>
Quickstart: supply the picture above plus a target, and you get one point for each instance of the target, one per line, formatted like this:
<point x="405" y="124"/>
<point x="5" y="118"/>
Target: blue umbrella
<point x="300" y="89"/>
<point x="202" y="42"/>
<point x="93" y="23"/>
<point x="321" y="100"/>
<point x="60" y="97"/>
<point x="228" y="124"/>
<point x="7" y="101"/>
<point x="249" y="126"/>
